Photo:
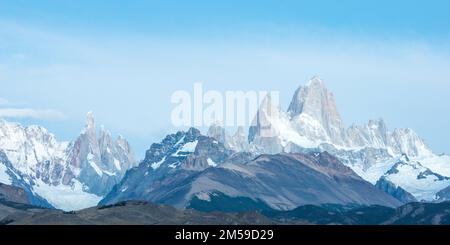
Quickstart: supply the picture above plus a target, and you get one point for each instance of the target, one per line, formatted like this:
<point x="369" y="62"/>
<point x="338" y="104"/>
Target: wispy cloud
<point x="31" y="113"/>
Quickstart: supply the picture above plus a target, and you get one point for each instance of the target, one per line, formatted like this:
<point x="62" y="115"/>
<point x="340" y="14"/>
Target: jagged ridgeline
<point x="303" y="156"/>
<point x="281" y="162"/>
<point x="64" y="175"/>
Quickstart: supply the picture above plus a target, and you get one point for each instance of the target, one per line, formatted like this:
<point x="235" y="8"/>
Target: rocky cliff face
<point x="314" y="105"/>
<point x="395" y="191"/>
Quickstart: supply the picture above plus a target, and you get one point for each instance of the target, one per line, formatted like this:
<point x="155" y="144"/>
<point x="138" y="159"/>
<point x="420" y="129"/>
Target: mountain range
<point x="312" y="124"/>
<point x="64" y="175"/>
<point x="299" y="157"/>
<point x="196" y="166"/>
<point x="287" y="159"/>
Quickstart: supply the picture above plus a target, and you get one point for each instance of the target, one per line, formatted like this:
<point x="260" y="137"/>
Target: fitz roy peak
<point x="314" y="106"/>
<point x="68" y="176"/>
<point x="313" y="117"/>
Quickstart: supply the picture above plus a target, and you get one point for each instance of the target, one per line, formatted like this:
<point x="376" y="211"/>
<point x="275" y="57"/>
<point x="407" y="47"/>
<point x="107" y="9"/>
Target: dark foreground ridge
<point x="124" y="213"/>
<point x="144" y="213"/>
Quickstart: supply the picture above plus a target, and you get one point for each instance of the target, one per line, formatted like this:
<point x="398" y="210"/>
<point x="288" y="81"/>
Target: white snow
<point x="373" y="173"/>
<point x="26" y="146"/>
<point x="204" y="196"/>
<point x="408" y="173"/>
<point x="174" y="165"/>
<point x="189" y="147"/>
<point x="211" y="162"/>
<point x="109" y="173"/>
<point x="90" y="158"/>
<point x="4" y="177"/>
<point x="156" y="165"/>
<point x="117" y="164"/>
<point x="67" y="198"/>
<point x="281" y="126"/>
<point x="423" y="188"/>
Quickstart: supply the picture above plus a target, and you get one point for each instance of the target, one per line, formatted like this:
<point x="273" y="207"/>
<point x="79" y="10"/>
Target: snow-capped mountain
<point x="236" y="142"/>
<point x="99" y="161"/>
<point x="69" y="176"/>
<point x="185" y="150"/>
<point x="313" y="113"/>
<point x="415" y="178"/>
<point x="10" y="176"/>
<point x="188" y="167"/>
<point x="313" y="119"/>
<point x="173" y="159"/>
<point x="312" y="122"/>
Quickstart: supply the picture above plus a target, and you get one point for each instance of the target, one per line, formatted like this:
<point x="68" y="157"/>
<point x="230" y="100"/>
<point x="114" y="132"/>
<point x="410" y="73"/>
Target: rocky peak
<point x="90" y="123"/>
<point x="379" y="128"/>
<point x="99" y="161"/>
<point x="104" y="136"/>
<point x="313" y="99"/>
<point x="89" y="165"/>
<point x="377" y="124"/>
<point x="171" y="144"/>
<point x="267" y="118"/>
<point x="218" y="132"/>
<point x="236" y="142"/>
<point x="269" y="107"/>
<point x="314" y="102"/>
<point x="239" y="141"/>
<point x="406" y="141"/>
<point x="123" y="143"/>
<point x="193" y="134"/>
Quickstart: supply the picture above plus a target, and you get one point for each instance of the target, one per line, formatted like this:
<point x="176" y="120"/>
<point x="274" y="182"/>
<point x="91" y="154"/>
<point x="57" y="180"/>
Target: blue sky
<point x="123" y="59"/>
